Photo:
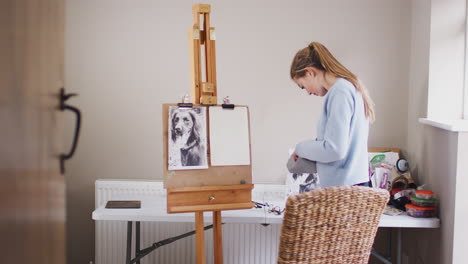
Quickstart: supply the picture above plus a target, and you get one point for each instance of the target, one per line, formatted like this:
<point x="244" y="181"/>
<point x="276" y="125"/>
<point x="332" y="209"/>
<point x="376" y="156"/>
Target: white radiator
<point x="242" y="243"/>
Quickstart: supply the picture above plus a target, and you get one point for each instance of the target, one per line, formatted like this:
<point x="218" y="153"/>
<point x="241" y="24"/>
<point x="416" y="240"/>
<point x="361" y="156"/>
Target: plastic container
<point x="423" y="202"/>
<point x="424" y="194"/>
<point x="417" y="211"/>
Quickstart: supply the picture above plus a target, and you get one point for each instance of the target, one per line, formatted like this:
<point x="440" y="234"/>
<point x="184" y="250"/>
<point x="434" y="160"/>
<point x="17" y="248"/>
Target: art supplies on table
<point x="399" y="198"/>
<point x="390" y="210"/>
<point x="387" y="170"/>
<point x="423" y="204"/>
<point x="382" y="169"/>
<point x="424" y="194"/>
<point x="418" y="211"/>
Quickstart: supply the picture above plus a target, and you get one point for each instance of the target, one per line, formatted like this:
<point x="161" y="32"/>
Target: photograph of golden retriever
<point x="187" y="138"/>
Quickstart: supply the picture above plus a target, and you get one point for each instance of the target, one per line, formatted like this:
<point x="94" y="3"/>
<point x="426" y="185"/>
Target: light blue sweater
<point x="341" y="145"/>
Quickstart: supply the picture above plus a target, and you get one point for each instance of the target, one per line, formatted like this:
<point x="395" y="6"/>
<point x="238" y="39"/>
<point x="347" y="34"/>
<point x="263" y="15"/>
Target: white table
<point x="154" y="209"/>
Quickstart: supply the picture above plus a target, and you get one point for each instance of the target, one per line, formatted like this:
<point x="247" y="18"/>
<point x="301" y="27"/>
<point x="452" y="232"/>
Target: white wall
<point x="125" y="58"/>
<point x="461" y="208"/>
<point x="437" y="157"/>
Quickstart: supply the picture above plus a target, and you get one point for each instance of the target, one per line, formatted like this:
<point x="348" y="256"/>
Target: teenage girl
<point x="340" y="149"/>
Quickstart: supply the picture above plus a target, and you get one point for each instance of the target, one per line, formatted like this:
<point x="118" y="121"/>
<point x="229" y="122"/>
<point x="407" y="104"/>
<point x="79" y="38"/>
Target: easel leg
<point x="200" y="237"/>
<point x="217" y="238"/>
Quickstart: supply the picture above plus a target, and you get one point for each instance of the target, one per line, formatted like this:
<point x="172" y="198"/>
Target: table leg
<point x="200" y="237"/>
<point x="380" y="257"/>
<point x="129" y="243"/>
<point x="389" y="248"/>
<point x="217" y="238"/>
<point x="398" y="260"/>
<point x="137" y="240"/>
<point x="386" y="259"/>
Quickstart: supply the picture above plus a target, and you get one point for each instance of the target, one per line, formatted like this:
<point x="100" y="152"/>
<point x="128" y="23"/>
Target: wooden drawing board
<point x="214" y="175"/>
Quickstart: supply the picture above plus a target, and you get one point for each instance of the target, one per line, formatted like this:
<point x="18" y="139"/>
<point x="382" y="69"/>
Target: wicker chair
<point x="331" y="225"/>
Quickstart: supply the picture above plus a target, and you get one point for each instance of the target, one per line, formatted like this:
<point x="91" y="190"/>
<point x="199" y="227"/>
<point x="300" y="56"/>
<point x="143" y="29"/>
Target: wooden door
<point x="32" y="192"/>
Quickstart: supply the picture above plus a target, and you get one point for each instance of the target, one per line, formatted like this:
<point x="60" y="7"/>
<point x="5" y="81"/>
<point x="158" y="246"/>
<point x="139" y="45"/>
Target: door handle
<point x="63" y="106"/>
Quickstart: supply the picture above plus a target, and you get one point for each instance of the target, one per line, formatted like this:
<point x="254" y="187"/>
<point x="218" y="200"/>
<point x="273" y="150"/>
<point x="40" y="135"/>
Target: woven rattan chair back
<point x="332" y="225"/>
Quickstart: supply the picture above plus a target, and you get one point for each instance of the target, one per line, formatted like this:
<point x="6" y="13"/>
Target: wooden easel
<point x="216" y="188"/>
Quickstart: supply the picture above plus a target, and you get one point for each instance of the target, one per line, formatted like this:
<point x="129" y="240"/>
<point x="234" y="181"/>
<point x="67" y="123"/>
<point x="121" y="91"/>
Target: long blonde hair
<point x="317" y="55"/>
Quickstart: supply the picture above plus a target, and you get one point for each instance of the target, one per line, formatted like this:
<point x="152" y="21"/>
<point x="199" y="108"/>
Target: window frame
<point x="465" y="81"/>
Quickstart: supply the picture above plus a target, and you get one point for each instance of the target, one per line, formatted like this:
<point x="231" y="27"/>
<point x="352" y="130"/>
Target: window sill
<point x="459" y="125"/>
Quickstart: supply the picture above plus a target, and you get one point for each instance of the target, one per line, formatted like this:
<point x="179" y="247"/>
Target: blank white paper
<point x="229" y="136"/>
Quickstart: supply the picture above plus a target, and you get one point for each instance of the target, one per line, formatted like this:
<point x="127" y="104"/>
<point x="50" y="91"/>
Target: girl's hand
<point x="295" y="156"/>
